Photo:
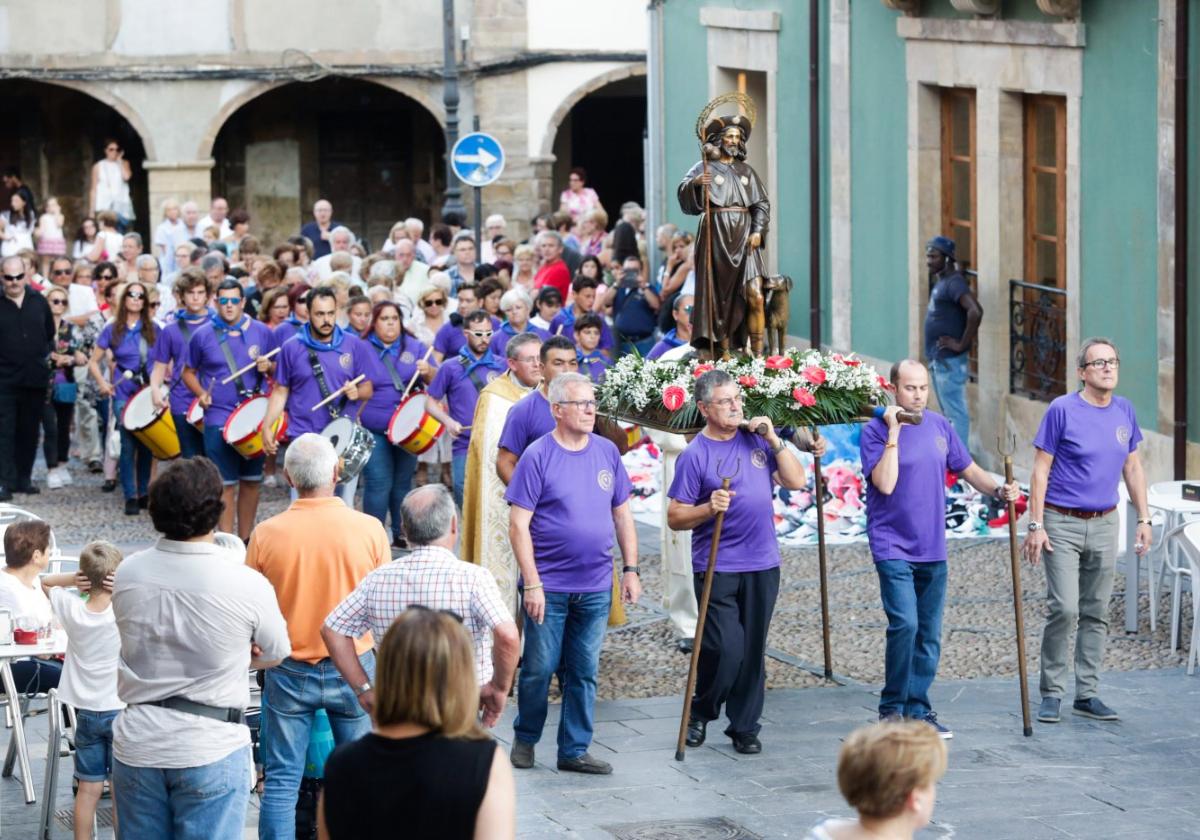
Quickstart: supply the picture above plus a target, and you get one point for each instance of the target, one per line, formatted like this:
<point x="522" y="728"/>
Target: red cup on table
<point x="25" y="637"/>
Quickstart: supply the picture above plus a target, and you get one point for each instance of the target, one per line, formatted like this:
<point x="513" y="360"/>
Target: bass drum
<point x="352" y="443"/>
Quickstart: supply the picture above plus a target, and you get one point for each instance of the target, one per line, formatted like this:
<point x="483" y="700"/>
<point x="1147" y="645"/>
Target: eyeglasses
<point x="582" y="405"/>
<point x="135" y="295"/>
<point x="13" y="278"/>
<point x="106" y="276"/>
<point x="228" y="301"/>
<point x="57" y="302"/>
<point x="60" y="272"/>
<point x="727" y="402"/>
<point x="1100" y="364"/>
<point x="528" y="360"/>
<point x="480" y="333"/>
<point x="428" y="303"/>
<point x="154" y="304"/>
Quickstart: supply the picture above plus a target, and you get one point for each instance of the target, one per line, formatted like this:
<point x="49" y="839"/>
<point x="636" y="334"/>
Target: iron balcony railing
<point x="1037" y="348"/>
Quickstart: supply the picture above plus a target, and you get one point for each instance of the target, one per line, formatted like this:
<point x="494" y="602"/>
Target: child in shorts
<point x="89" y="678"/>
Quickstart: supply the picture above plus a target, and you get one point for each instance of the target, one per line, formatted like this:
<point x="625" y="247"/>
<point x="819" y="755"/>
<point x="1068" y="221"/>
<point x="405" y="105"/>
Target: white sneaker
<point x="270" y="481"/>
<point x="54" y="480"/>
<point x="65" y="475"/>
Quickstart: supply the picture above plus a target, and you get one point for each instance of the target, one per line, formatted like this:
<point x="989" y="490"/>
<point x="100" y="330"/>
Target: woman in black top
<point x="427" y="770"/>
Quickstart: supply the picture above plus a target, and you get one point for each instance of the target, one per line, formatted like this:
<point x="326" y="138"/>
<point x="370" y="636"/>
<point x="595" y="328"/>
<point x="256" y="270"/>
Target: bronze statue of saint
<point x="726" y="192"/>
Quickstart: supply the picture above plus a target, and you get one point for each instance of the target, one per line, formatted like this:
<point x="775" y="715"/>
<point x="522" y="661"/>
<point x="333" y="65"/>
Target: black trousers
<point x="56" y="432"/>
<point x="20" y="422"/>
<point x="732" y="669"/>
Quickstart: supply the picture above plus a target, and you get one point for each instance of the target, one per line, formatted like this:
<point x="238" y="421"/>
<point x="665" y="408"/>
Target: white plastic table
<point x="1175" y="509"/>
<point x="17" y="747"/>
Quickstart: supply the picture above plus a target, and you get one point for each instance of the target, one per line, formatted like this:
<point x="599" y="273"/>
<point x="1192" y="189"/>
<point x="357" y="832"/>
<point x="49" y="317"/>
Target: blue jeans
<point x="229" y="462"/>
<point x="571" y="633"/>
<point x="950" y="384"/>
<point x="134" y="456"/>
<point x="458" y="471"/>
<point x="913" y="595"/>
<point x="188" y="803"/>
<point x="387" y="478"/>
<point x="294" y="691"/>
<point x="191" y="439"/>
<point x="93" y="744"/>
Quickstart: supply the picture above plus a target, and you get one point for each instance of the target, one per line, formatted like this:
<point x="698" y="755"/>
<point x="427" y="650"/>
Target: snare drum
<point x="352" y="443"/>
<point x="243" y="429"/>
<point x="154" y="427"/>
<point x="412" y="428"/>
<point x="195" y="414"/>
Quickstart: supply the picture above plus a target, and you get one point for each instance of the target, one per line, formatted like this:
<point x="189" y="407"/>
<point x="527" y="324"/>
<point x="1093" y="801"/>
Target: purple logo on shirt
<point x="759" y="459"/>
<point x="345" y="360"/>
<point x="1123" y="435"/>
<point x="605" y="479"/>
<point x="941" y="444"/>
<point x="253" y="351"/>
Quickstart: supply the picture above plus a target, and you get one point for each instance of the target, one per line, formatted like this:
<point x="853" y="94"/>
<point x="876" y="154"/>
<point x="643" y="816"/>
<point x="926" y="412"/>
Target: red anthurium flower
<point x="673" y="397"/>
<point x="852" y="362"/>
<point x="747" y="381"/>
<point x="804" y="397"/>
<point x="814" y="374"/>
<point x="778" y="362"/>
<point x="883" y="383"/>
<point x="700" y="370"/>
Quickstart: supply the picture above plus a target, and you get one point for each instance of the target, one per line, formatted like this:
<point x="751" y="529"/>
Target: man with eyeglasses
<point x="1086" y="443"/>
<point x="485" y="521"/>
<point x="568" y="495"/>
<point x="459" y="381"/>
<point x="26" y="339"/>
<point x="732" y="667"/>
<point x="681" y="333"/>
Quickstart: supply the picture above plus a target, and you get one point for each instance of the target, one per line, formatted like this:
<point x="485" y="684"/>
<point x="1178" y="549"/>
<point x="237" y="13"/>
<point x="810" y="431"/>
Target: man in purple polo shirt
<point x="906" y="527"/>
<point x="192" y="290"/>
<point x="340" y="357"/>
<point x="229" y="342"/>
<point x="568" y="476"/>
<point x="1087" y="442"/>
<point x="531" y="417"/>
<point x="732" y="668"/>
<point x="459" y="382"/>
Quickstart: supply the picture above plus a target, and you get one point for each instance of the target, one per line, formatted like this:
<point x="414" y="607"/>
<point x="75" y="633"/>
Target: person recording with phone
<point x="635" y="303"/>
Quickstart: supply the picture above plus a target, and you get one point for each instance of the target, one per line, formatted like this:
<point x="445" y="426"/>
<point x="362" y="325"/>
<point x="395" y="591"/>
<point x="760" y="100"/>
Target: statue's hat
<point x="717" y="125"/>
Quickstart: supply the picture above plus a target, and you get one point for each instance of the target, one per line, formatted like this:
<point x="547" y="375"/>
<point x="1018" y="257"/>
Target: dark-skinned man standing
<point x="951" y="322"/>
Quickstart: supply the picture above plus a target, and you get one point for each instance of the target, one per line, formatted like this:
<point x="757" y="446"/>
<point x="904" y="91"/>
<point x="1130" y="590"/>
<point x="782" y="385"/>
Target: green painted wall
<point x="878" y="183"/>
<point x="1118" y="193"/>
<point x="686" y="92"/>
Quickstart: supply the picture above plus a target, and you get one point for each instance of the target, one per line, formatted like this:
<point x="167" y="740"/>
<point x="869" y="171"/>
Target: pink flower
<point x="838" y="357"/>
<point x="804" y="397"/>
<point x="673" y="397"/>
<point x="700" y="370"/>
<point x="814" y="374"/>
<point x="778" y="362"/>
<point x="747" y="381"/>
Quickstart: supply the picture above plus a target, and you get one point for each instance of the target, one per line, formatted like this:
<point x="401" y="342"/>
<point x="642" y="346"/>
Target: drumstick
<point x="339" y="391"/>
<point x="416" y="373"/>
<point x="238" y="373"/>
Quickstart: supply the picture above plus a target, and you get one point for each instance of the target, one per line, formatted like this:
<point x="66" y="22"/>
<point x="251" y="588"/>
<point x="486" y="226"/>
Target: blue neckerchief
<point x="395" y="348"/>
<point x="294" y="321"/>
<point x="304" y="335"/>
<point x="508" y="328"/>
<point x="194" y="320"/>
<point x="469" y="362"/>
<point x="568" y="315"/>
<point x="219" y="326"/>
<point x="670" y="338"/>
<point x="594" y="356"/>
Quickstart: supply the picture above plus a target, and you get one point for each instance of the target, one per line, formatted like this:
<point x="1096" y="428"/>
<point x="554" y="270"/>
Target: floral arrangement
<point x="797" y="388"/>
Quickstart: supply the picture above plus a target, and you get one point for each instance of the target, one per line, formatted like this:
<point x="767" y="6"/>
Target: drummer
<point x="192" y="290"/>
<point x="230" y="341"/>
<point x="387" y="477"/>
<point x="323" y="360"/>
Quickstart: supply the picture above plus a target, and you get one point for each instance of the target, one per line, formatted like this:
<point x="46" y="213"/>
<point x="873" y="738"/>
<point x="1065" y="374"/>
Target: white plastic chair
<point x="1188" y="542"/>
<point x="1160" y="561"/>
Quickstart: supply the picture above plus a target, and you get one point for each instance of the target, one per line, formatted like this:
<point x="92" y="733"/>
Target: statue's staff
<point x="710" y="288"/>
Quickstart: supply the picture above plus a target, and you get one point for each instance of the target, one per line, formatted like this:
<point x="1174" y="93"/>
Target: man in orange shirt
<point x="314" y="554"/>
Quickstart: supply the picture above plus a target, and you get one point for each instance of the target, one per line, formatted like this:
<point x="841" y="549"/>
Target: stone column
<point x="184" y="180"/>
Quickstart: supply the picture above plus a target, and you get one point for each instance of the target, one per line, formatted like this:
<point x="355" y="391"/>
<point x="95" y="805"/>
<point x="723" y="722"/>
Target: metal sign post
<point x="477" y="160"/>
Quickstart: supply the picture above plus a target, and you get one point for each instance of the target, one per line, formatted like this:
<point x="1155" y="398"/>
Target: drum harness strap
<point x="243" y="392"/>
<point x="335" y="407"/>
<point x="386" y="358"/>
<point x="141" y="376"/>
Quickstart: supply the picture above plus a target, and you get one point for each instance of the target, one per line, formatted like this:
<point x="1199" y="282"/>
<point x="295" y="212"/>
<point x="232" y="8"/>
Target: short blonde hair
<point x="881" y="764"/>
<point x="425" y="674"/>
<point x="98" y="560"/>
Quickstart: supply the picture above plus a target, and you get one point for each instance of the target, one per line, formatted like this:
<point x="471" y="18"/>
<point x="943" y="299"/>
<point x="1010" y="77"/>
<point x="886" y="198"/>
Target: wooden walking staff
<point x="819" y="495"/>
<point x="1006" y="452"/>
<point x="702" y="614"/>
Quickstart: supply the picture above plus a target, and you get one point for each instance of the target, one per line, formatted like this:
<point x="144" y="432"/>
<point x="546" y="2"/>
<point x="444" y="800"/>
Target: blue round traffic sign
<point x="477" y="159"/>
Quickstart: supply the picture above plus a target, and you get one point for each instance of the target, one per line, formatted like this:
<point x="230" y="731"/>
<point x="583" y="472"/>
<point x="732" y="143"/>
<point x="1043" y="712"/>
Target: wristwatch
<point x="363" y="689"/>
<point x="1034" y="526"/>
<point x="627" y="569"/>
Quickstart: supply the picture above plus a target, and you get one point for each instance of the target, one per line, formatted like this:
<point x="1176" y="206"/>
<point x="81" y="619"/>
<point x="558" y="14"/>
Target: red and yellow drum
<point x="154" y="427"/>
<point x="243" y="428"/>
<point x="412" y="428"/>
<point x="195" y="414"/>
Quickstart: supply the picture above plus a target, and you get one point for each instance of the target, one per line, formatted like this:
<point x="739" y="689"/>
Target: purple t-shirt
<point x="669" y="341"/>
<point x="566" y="320"/>
<point x="128" y="356"/>
<point x="170" y="349"/>
<point x="1089" y="445"/>
<point x="527" y="421"/>
<point x="294" y="371"/>
<point x="404" y="355"/>
<point x="205" y="357"/>
<point x="283" y="332"/>
<point x="593" y="365"/>
<point x="505" y="333"/>
<point x="748" y="536"/>
<point x="910" y="524"/>
<point x="454" y="385"/>
<point x="571" y="495"/>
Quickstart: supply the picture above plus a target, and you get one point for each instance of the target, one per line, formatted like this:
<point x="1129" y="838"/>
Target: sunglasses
<point x="135" y="295"/>
<point x="480" y="333"/>
<point x="154" y="304"/>
<point x="107" y="276"/>
<point x="57" y="302"/>
<point x="228" y="301"/>
<point x="60" y="272"/>
<point x="429" y="303"/>
<point x="14" y="277"/>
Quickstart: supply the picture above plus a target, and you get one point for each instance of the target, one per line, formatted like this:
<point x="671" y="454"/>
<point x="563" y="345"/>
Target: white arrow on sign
<point x="483" y="157"/>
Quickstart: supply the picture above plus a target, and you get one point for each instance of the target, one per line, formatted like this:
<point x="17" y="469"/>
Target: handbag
<point x="65" y="392"/>
<point x="113" y="443"/>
